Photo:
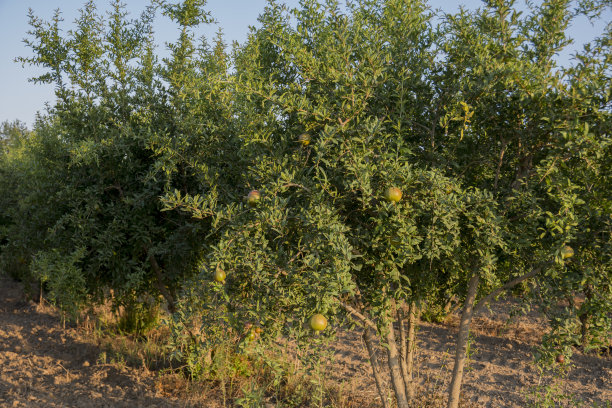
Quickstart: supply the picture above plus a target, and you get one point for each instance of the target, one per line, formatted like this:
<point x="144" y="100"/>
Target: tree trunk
<point x="584" y="331"/>
<point x="368" y="339"/>
<point x="397" y="380"/>
<point x="411" y="346"/>
<point x="160" y="283"/>
<point x="403" y="350"/>
<point x="462" y="339"/>
<point x="584" y="320"/>
<point x="448" y="307"/>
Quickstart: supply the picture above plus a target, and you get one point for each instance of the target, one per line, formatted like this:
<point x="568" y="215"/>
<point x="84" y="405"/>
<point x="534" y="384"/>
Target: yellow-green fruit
<point x="304" y="139"/>
<point x="567" y="252"/>
<point x="220" y="275"/>
<point x="393" y="194"/>
<point x="252" y="335"/>
<point x="318" y="322"/>
<point x="253" y="198"/>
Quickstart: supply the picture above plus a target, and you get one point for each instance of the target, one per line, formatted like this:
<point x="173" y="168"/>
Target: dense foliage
<point x="397" y="164"/>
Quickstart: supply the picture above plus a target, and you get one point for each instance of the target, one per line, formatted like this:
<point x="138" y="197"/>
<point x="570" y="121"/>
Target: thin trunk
<point x="160" y="283"/>
<point x="464" y="332"/>
<point x="449" y="305"/>
<point x="584" y="320"/>
<point x="403" y="347"/>
<point x="397" y="380"/>
<point x="41" y="297"/>
<point x="368" y="339"/>
<point x="499" y="164"/>
<point x="411" y="346"/>
<point x="584" y="330"/>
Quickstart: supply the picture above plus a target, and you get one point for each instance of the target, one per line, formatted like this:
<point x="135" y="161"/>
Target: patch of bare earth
<point x="44" y="365"/>
<point x="500" y="374"/>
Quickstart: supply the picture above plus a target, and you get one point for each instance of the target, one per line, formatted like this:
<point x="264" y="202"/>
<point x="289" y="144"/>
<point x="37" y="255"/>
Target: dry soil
<point x="43" y="364"/>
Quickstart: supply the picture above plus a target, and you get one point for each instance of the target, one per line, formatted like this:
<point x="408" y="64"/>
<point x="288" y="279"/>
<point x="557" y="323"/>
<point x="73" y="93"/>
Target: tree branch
<point x="481" y="304"/>
<point x="296" y="185"/>
<point x="367" y="322"/>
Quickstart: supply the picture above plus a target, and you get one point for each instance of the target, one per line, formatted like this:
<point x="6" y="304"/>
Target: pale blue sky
<point x="20" y="99"/>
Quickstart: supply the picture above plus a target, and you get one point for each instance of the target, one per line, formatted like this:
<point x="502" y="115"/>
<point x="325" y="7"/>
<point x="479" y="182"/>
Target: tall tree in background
<point x="114" y="142"/>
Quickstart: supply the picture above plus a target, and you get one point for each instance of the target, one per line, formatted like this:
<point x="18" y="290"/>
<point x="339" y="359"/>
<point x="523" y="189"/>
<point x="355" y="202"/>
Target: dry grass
<point x="258" y="376"/>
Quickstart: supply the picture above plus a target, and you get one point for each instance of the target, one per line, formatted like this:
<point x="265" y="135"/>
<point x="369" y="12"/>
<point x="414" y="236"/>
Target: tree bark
<point x="397" y="380"/>
<point x="462" y="340"/>
<point x="403" y="349"/>
<point x="411" y="346"/>
<point x="368" y="339"/>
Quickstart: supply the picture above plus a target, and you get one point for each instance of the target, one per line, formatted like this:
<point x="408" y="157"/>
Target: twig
<point x="297" y="185"/>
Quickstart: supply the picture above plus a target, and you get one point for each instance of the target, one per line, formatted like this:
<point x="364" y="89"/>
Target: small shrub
<point x="61" y="274"/>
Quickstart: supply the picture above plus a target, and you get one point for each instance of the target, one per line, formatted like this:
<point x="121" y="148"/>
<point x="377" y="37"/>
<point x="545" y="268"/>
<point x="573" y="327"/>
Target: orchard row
<point x="397" y="164"/>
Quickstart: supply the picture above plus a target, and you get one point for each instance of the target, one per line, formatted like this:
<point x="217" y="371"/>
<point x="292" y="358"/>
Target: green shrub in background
<point x="92" y="172"/>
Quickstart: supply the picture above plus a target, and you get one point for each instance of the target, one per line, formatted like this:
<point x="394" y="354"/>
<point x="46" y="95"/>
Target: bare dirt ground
<point x="501" y="372"/>
<point x="45" y="365"/>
